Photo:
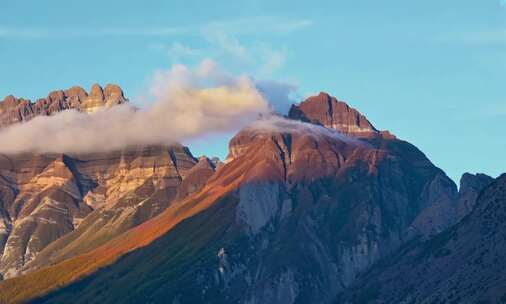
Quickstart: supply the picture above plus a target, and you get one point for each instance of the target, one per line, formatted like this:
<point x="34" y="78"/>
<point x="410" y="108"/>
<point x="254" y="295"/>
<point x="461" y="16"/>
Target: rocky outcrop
<point x="14" y="110"/>
<point x="449" y="205"/>
<point x="109" y="96"/>
<point x="259" y="203"/>
<point x="441" y="213"/>
<point x="197" y="177"/>
<point x="471" y="186"/>
<point x="464" y="264"/>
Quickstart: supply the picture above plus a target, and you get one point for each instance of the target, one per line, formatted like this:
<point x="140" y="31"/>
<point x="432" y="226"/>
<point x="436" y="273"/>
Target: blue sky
<point x="432" y="72"/>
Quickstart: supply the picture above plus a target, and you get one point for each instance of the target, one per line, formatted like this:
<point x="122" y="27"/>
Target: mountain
<point x="300" y="210"/>
<point x="464" y="264"/>
<point x="296" y="213"/>
<point x="15" y="110"/>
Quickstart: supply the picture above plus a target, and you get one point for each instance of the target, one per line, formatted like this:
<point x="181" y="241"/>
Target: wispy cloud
<point x="272" y="60"/>
<point x="199" y="102"/>
<point x="256" y="25"/>
<point x="487" y="36"/>
<point x="247" y="26"/>
<point x="178" y="51"/>
<point x="48" y="33"/>
<point x="226" y="42"/>
<point x="224" y="47"/>
<point x="242" y="43"/>
<point x="238" y="42"/>
<point x="12" y="32"/>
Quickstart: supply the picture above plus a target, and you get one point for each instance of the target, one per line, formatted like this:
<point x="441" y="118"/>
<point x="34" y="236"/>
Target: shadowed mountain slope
<point x="464" y="264"/>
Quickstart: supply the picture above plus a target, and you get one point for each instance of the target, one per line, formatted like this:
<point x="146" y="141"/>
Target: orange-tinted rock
<point x="9" y="101"/>
<point x="76" y="95"/>
<point x="196" y="177"/>
<point x="329" y="112"/>
<point x="96" y="91"/>
<point x="14" y="110"/>
<point x="44" y="199"/>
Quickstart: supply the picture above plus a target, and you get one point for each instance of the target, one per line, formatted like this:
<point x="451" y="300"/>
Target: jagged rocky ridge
<point x="15" y="110"/>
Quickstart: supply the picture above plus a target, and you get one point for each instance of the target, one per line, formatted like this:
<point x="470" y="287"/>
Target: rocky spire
<point x="471" y="186"/>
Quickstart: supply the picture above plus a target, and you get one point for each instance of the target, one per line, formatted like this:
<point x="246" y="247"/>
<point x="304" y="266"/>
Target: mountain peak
<point x="478" y="181"/>
<point x="470" y="188"/>
<point x="14" y="110"/>
<point x="326" y="110"/>
<point x="9" y="101"/>
<point x="99" y="97"/>
<point x="96" y="90"/>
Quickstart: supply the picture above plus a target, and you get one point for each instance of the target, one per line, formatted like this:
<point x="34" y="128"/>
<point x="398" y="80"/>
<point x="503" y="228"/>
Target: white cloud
<point x="187" y="104"/>
<point x="246" y="26"/>
<point x="226" y="43"/>
<point x="257" y="57"/>
<point x="10" y="32"/>
<point x="225" y="39"/>
<point x="293" y="25"/>
<point x="257" y="25"/>
<point x="61" y="33"/>
<point x="148" y="31"/>
<point x="178" y="51"/>
<point x="272" y="59"/>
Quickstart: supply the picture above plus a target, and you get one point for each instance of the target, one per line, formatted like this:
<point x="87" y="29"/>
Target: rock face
<point x="470" y="187"/>
<point x="73" y="203"/>
<point x="464" y="264"/>
<point x="331" y="113"/>
<point x="296" y="214"/>
<point x="197" y="177"/>
<point x="37" y="207"/>
<point x="14" y="110"/>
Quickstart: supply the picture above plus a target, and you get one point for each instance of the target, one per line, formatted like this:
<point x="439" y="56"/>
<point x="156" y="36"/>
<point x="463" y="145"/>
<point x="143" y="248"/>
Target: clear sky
<point x="432" y="72"/>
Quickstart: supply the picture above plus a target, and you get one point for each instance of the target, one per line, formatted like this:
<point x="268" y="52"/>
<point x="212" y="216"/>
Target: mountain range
<point x="318" y="206"/>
